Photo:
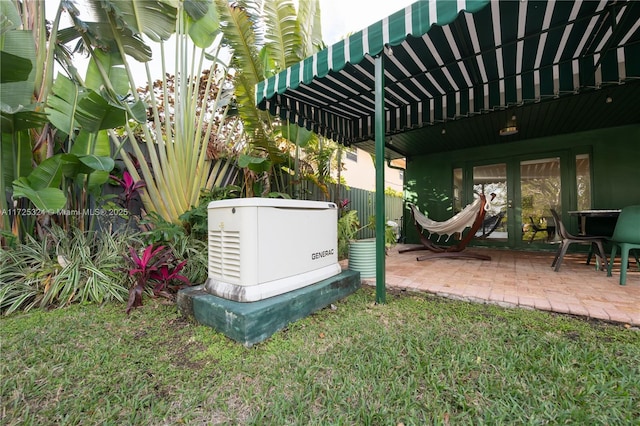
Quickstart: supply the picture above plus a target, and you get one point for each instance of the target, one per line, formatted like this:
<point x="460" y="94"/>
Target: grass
<point x="418" y="359"/>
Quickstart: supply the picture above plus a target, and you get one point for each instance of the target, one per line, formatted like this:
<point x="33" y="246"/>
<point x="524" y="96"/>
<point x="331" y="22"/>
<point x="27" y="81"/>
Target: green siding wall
<point x="616" y="167"/>
<point x="615" y="156"/>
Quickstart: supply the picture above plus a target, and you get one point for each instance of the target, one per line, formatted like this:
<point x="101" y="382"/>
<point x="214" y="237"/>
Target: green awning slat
<point x="420" y="18"/>
<point x="376" y="38"/>
<point x="307" y="66"/>
<point x="356" y="48"/>
<point x="337" y="53"/>
<point x="322" y="63"/>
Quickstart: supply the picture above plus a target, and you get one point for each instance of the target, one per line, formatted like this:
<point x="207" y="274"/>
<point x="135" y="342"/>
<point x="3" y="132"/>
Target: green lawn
<point x="416" y="360"/>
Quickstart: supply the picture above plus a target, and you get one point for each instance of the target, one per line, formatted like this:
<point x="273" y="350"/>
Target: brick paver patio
<point x="524" y="279"/>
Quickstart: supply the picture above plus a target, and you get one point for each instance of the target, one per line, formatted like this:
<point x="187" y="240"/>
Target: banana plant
<point x="81" y="118"/>
<point x="18" y="112"/>
<point x="27" y="69"/>
<point x="55" y="147"/>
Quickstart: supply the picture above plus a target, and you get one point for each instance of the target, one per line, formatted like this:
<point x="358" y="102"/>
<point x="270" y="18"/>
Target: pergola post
<point x="380" y="201"/>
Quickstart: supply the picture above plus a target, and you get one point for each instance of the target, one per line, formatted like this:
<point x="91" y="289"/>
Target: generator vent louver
<point x="224" y="254"/>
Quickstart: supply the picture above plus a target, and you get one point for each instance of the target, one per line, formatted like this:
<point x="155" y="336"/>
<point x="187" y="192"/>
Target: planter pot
<point x="362" y="257"/>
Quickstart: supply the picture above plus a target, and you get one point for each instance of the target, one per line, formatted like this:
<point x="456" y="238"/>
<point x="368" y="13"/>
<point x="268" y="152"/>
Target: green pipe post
<point x="380" y="201"/>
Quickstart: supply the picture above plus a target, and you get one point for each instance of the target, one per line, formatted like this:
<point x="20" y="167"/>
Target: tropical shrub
<point x="157" y="268"/>
<point x="158" y="231"/>
<point x="348" y="227"/>
<point x="196" y="220"/>
<point x="184" y="244"/>
<point x="390" y="191"/>
<point x="130" y="189"/>
<point x="62" y="268"/>
<point x="195" y="252"/>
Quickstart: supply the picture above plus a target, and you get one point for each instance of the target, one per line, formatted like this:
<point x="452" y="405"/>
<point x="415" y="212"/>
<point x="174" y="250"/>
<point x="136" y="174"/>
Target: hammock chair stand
<point x="453" y="251"/>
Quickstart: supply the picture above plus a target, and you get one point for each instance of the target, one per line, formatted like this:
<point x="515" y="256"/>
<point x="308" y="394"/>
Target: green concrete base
<point x="252" y="322"/>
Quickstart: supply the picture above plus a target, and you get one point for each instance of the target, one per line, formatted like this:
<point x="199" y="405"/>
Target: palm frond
<point x="282" y="34"/>
<point x="102" y="33"/>
<point x="239" y="33"/>
<point x="155" y="19"/>
<point x="310" y="27"/>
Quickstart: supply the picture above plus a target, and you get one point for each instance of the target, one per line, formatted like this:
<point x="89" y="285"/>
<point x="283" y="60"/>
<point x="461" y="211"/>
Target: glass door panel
<point x="583" y="180"/>
<point x="540" y="191"/>
<point x="492" y="179"/>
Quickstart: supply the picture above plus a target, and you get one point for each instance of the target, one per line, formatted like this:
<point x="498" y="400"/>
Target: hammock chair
<point x="471" y="216"/>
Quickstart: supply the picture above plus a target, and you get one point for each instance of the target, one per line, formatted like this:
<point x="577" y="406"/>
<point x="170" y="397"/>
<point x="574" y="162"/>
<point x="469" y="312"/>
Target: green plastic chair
<point x="626" y="235"/>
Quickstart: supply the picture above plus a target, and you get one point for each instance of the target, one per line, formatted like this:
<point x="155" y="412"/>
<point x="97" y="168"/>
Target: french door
<point x="526" y="188"/>
<point x="492" y="180"/>
<point x="540" y="191"/>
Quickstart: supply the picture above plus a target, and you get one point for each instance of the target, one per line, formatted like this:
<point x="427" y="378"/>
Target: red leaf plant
<point x="155" y="267"/>
<point x="129" y="187"/>
<point x="165" y="275"/>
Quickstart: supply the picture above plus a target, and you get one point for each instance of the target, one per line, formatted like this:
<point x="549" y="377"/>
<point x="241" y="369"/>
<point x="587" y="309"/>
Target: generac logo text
<point x="321" y="254"/>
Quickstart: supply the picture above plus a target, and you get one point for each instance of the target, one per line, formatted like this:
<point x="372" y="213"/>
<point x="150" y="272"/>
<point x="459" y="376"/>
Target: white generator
<point x="263" y="247"/>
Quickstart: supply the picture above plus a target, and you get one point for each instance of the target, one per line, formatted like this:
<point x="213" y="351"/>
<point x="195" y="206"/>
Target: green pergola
<point x="471" y="66"/>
